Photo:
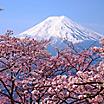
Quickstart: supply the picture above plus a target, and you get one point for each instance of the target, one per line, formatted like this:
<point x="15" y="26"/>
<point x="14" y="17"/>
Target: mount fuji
<point x="61" y="29"/>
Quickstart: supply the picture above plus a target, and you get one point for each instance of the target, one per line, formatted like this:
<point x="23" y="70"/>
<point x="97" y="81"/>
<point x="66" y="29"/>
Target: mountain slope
<point x="60" y="27"/>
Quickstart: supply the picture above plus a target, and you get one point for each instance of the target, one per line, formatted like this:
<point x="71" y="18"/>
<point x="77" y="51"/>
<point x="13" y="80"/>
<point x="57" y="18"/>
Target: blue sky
<point x="19" y="15"/>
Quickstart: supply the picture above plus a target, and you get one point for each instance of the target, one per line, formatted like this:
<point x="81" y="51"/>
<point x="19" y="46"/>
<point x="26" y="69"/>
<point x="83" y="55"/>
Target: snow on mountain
<point x="60" y="27"/>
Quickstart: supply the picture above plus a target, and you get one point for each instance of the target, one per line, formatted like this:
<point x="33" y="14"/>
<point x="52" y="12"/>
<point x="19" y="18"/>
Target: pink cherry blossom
<point x="29" y="74"/>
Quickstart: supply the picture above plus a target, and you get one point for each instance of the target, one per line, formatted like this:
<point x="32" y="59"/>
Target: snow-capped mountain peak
<point x="60" y="27"/>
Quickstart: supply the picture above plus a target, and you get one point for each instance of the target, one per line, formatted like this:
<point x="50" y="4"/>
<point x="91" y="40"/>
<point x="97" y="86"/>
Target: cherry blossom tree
<point x="29" y="74"/>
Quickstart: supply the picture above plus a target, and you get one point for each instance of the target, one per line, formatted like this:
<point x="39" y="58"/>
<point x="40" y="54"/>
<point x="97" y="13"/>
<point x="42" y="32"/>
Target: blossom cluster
<point x="29" y="74"/>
